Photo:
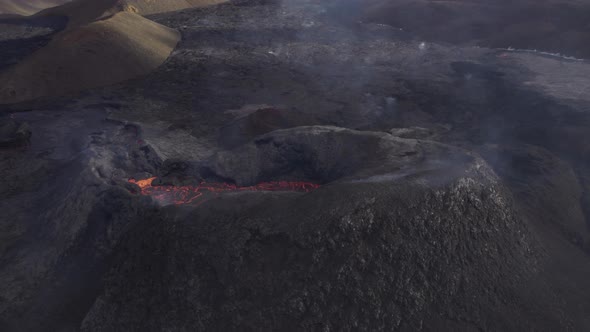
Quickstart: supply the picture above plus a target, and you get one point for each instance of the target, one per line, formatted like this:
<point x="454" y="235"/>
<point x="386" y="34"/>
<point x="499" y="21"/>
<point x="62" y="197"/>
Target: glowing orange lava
<point x="191" y="194"/>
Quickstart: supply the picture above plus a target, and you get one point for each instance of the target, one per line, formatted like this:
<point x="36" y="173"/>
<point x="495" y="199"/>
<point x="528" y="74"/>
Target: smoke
<point x="488" y="104"/>
<point x="375" y="66"/>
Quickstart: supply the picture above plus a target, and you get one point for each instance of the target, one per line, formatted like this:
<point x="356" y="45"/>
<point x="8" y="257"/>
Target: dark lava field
<point x="299" y="165"/>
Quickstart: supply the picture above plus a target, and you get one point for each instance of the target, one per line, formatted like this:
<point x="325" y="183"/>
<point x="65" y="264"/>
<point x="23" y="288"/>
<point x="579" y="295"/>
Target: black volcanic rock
<point x="325" y="154"/>
<point x="251" y="123"/>
<point x="178" y="173"/>
<point x="379" y="254"/>
<point x="540" y="178"/>
<point x="14" y="134"/>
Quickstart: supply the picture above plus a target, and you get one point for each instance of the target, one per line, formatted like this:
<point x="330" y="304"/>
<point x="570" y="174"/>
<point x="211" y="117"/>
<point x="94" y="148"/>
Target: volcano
<point x="298" y="165"/>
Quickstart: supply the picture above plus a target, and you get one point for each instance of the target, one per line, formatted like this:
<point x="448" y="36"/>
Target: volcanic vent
<point x="297" y="160"/>
<point x="387" y="218"/>
<point x="169" y="194"/>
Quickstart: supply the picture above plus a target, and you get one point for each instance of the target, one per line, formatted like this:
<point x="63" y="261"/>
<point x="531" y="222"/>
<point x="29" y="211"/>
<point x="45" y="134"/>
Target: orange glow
<point x="143" y="183"/>
<point x="199" y="194"/>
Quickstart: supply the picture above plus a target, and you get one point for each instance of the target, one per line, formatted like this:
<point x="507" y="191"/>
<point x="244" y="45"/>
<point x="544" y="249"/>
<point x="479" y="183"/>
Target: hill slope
<point x="81" y="12"/>
<point x="29" y="7"/>
<point x="121" y="47"/>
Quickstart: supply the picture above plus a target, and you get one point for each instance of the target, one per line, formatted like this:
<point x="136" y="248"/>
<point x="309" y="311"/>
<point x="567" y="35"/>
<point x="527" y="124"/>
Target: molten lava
<point x="197" y="194"/>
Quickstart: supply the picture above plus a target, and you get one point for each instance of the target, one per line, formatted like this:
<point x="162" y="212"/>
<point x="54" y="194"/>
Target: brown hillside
<point x="29" y="7"/>
<point x="121" y="47"/>
<point x="81" y="12"/>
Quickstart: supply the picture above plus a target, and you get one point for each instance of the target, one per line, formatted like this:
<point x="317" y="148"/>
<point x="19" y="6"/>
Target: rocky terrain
<point x="555" y="26"/>
<point x="294" y="165"/>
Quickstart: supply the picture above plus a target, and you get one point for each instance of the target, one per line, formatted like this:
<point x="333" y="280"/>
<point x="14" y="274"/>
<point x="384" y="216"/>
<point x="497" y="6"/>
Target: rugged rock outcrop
<point x="326" y="154"/>
<point x="14" y="134"/>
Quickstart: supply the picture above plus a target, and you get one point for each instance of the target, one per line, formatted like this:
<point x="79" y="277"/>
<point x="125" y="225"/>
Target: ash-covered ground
<point x="427" y="185"/>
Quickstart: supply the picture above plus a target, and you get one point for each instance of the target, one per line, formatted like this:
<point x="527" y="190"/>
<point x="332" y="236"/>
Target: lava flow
<point x="197" y="194"/>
